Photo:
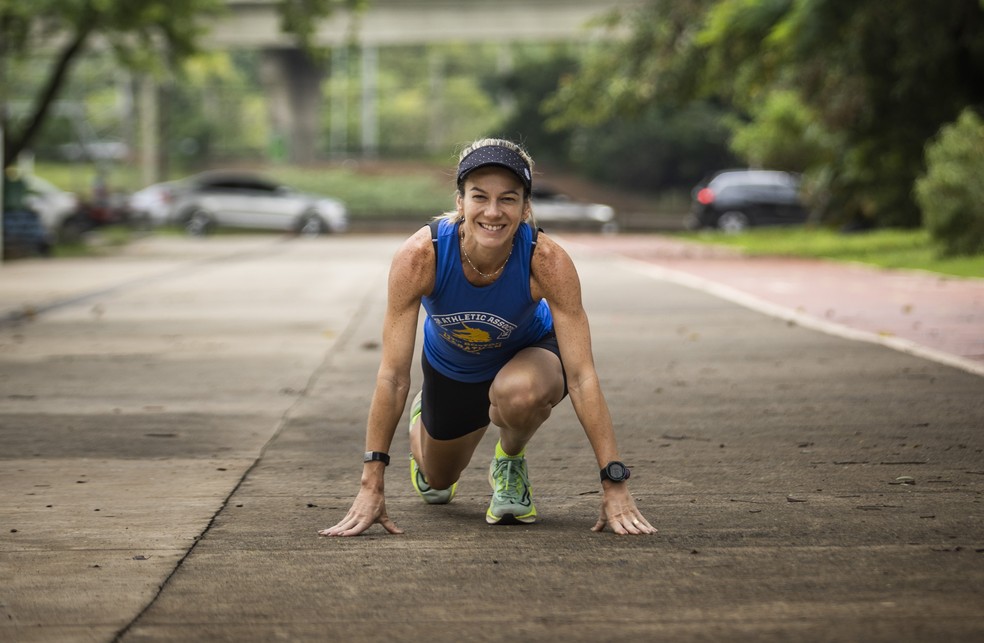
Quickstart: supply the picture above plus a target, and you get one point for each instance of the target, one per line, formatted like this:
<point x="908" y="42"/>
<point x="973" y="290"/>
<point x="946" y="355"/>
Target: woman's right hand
<point x="368" y="508"/>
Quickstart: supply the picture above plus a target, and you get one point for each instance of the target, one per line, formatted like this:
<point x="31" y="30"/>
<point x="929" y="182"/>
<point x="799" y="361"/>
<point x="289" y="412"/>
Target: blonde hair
<point x="453" y="215"/>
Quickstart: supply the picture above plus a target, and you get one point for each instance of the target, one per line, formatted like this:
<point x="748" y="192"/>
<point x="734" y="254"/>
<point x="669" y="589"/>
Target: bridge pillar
<point x="293" y="84"/>
<point x="370" y="101"/>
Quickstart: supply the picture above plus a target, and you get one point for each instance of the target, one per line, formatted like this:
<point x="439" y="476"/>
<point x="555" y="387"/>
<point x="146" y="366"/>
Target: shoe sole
<point x="509" y="519"/>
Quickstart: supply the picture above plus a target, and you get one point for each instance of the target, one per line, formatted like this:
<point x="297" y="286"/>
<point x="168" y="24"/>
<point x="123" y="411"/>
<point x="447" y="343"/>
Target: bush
<point x="951" y="193"/>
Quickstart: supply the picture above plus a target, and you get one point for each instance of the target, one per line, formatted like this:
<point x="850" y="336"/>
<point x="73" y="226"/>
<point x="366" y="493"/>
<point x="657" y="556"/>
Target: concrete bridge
<point x="293" y="81"/>
<point x="256" y="23"/>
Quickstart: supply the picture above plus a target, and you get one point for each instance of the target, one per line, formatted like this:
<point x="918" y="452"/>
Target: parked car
<point x="235" y="199"/>
<point x="57" y="210"/>
<point x="734" y="200"/>
<point x="558" y="209"/>
<point x="151" y="206"/>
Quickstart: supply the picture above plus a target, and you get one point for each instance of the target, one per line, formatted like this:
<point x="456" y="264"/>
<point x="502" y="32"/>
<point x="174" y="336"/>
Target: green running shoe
<point x="431" y="496"/>
<point x="512" y="500"/>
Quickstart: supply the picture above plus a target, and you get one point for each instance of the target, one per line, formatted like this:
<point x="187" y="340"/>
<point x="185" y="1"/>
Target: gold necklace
<point x="461" y="244"/>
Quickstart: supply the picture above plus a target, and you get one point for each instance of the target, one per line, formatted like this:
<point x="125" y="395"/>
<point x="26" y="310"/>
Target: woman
<point x="506" y="338"/>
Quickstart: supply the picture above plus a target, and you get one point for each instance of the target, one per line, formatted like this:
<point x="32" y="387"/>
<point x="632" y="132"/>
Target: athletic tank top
<point x="471" y="331"/>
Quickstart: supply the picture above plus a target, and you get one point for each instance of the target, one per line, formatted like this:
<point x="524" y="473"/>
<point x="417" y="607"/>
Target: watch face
<point x="616" y="471"/>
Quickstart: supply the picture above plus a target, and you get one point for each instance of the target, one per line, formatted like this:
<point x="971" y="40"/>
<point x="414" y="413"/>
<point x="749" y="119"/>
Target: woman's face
<point x="492" y="205"/>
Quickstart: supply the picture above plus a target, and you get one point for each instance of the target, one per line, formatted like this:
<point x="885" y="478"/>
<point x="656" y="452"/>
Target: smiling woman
<point x="506" y="339"/>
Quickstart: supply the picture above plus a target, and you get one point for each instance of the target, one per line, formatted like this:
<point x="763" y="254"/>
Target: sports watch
<point x="615" y="471"/>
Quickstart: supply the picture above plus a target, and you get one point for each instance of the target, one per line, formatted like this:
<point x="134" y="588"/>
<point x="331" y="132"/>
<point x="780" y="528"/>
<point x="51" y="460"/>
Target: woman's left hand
<point x="619" y="512"/>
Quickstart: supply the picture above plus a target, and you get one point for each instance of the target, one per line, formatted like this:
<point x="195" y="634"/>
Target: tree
<point x="950" y="192"/>
<point x="142" y="35"/>
<point x="137" y="32"/>
<point x="883" y="77"/>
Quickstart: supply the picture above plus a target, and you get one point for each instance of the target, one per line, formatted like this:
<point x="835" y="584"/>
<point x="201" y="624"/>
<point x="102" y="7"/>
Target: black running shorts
<point x="451" y="409"/>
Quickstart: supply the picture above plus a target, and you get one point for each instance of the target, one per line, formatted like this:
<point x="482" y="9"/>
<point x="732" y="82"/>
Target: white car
<point x="151" y="206"/>
<point x="556" y="208"/>
<point x="226" y="199"/>
<point x="57" y="209"/>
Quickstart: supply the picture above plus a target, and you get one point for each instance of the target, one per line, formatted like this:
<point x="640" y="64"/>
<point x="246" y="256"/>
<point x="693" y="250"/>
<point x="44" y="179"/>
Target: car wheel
<point x="733" y="221"/>
<point x="311" y="226"/>
<point x="198" y="224"/>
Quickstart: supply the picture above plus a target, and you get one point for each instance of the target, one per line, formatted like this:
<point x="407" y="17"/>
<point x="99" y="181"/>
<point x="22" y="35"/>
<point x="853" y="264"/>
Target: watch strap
<point x="376" y="456"/>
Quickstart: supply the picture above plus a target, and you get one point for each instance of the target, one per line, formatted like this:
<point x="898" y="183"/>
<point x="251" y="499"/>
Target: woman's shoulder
<point x="548" y="252"/>
<point x="416" y="254"/>
<point x="551" y="266"/>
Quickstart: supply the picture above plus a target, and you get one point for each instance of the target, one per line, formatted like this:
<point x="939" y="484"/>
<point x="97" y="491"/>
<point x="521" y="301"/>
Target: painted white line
<point x="809" y="321"/>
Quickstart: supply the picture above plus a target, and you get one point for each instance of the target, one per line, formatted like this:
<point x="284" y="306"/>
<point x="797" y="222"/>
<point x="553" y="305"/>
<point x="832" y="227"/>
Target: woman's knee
<point x="440" y="477"/>
<point x="520" y="397"/>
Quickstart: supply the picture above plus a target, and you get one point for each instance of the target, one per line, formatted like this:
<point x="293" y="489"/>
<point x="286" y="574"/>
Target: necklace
<point x="461" y="244"/>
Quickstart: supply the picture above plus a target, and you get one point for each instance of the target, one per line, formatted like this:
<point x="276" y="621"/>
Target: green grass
<point x="907" y="249"/>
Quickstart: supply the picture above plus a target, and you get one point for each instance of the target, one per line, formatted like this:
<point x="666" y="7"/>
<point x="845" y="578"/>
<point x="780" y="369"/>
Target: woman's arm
<point x="554" y="278"/>
<point x="411" y="277"/>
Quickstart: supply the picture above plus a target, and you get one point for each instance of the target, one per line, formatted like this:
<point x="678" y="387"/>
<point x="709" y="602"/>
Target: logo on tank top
<point x="474" y="332"/>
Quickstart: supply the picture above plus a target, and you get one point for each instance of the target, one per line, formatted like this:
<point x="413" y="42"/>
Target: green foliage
<point x="657" y="61"/>
<point x="783" y="133"/>
<point x="148" y="36"/>
<point x="300" y="18"/>
<point x="879" y="77"/>
<point x="141" y="36"/>
<point x="657" y="150"/>
<point x="431" y="99"/>
<point x="951" y="192"/>
<point x="651" y="148"/>
<point x="533" y="77"/>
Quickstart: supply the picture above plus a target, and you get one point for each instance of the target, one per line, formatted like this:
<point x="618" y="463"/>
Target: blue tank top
<point x="471" y="331"/>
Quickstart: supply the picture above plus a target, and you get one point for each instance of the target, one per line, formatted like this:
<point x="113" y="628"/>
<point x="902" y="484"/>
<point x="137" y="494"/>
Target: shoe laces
<point x="510" y="478"/>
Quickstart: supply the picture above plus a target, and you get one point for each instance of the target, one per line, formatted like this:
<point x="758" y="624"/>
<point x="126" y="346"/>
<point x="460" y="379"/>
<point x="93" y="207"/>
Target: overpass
<point x="293" y="81"/>
<point x="256" y="23"/>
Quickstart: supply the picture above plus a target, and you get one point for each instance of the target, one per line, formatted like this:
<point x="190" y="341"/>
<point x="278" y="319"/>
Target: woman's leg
<point x="442" y="461"/>
<point x="523" y="394"/>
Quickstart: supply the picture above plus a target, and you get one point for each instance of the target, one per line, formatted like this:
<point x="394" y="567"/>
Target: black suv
<point x="737" y="199"/>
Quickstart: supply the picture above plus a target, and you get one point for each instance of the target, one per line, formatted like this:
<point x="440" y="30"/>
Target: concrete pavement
<point x="177" y="422"/>
<point x="935" y="316"/>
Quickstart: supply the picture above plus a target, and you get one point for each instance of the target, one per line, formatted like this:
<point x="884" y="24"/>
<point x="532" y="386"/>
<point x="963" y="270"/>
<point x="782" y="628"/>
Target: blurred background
<point x="340" y="115"/>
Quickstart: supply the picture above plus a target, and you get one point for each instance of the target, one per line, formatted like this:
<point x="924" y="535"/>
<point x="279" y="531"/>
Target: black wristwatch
<point x="371" y="456"/>
<point x="615" y="471"/>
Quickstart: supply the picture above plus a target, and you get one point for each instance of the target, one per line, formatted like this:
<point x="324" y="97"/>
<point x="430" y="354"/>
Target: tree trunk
<point x="17" y="142"/>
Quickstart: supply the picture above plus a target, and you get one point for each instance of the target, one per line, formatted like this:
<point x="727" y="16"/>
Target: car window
<point x="258" y="186"/>
<point x="758" y="179"/>
<point x="236" y="184"/>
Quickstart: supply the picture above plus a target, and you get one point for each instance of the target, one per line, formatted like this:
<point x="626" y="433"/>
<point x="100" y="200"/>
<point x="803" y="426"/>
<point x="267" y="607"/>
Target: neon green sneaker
<point x="512" y="499"/>
<point x="431" y="496"/>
